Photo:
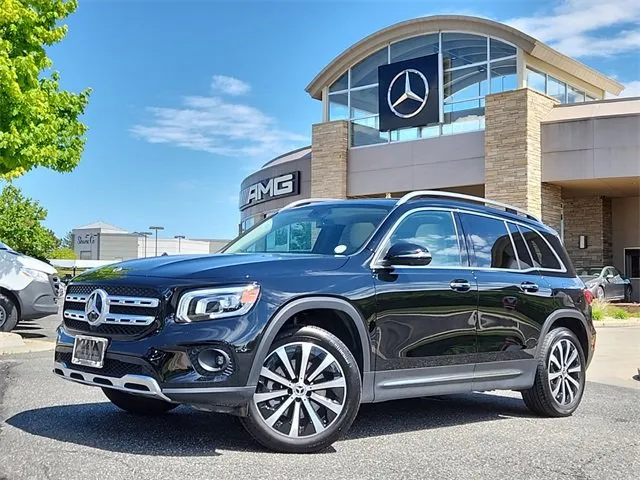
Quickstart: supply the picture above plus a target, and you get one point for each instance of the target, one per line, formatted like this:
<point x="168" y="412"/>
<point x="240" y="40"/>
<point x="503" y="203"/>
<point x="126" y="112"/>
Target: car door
<point x="615" y="284"/>
<point x="425" y="323"/>
<point x="513" y="297"/>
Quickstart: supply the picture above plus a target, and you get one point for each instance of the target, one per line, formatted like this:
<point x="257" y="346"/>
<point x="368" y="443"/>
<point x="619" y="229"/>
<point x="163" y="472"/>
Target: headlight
<point x="36" y="275"/>
<point x="212" y="303"/>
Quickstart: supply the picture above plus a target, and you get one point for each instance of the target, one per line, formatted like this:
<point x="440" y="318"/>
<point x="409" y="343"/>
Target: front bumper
<point x="37" y="300"/>
<point x="164" y="365"/>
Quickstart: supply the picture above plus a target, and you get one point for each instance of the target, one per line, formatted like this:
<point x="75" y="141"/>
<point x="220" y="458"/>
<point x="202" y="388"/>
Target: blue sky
<point x="190" y="96"/>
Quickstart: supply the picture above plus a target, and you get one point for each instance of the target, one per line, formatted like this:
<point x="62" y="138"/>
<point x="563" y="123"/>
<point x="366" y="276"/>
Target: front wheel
<point x="8" y="314"/>
<point x="560" y="376"/>
<point x="138" y="404"/>
<point x="308" y="393"/>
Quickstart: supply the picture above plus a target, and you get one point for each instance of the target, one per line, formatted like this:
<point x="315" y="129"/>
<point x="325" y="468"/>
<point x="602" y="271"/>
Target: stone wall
<point x="330" y="144"/>
<point x="590" y="216"/>
<point x="512" y="147"/>
<point x="552" y="205"/>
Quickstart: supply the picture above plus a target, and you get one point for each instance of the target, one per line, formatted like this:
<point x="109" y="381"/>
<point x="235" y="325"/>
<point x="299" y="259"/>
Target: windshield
<point x="321" y="229"/>
<point x="589" y="271"/>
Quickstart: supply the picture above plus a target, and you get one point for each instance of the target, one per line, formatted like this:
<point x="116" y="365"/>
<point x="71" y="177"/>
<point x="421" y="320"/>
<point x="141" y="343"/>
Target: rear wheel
<point x="560" y="376"/>
<point x="308" y="393"/>
<point x="138" y="404"/>
<point x="627" y="294"/>
<point x="8" y="314"/>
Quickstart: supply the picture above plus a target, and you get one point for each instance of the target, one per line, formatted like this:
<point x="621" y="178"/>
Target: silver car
<point x="606" y="283"/>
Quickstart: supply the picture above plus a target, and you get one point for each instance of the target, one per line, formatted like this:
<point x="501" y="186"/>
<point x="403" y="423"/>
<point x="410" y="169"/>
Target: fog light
<point x="213" y="360"/>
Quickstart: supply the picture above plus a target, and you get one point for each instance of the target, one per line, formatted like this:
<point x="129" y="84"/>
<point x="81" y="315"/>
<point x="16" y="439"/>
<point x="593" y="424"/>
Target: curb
<point x="11" y="343"/>
<point x="634" y="322"/>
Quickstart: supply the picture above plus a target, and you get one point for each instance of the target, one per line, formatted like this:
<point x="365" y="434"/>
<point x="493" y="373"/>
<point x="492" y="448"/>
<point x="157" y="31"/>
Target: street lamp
<point x="179" y="237"/>
<point x="156" y="228"/>
<point x="145" y="235"/>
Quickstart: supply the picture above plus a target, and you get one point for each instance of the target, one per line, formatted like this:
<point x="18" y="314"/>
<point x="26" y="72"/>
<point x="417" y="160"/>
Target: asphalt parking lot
<point x="53" y="429"/>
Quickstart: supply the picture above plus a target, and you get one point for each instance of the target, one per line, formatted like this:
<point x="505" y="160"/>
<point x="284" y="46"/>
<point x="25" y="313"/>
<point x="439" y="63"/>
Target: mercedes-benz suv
<point x="330" y="304"/>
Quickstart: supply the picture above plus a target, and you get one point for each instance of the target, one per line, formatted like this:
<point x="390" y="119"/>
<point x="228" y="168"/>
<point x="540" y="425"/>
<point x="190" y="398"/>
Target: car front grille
<point x="111" y="368"/>
<point x="133" y="312"/>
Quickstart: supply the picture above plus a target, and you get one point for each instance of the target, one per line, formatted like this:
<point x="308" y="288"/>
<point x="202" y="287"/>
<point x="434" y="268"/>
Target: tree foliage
<point x="20" y="224"/>
<point x="67" y="241"/>
<point x="39" y="124"/>
<point x="62" y="253"/>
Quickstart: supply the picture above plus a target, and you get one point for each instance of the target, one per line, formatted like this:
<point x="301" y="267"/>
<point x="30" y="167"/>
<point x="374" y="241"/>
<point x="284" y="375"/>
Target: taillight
<point x="588" y="296"/>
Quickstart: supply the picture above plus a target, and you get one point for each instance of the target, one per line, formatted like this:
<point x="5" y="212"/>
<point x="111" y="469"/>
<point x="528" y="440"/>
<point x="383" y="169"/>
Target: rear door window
<point x="491" y="245"/>
<point x="524" y="257"/>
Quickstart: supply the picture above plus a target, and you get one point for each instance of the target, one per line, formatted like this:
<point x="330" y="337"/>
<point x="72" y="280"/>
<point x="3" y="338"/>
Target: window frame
<point x="624" y="256"/>
<point x="383" y="246"/>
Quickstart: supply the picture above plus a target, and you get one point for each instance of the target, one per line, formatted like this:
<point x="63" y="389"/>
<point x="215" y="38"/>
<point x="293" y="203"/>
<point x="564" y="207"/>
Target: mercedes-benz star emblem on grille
<point x="97" y="307"/>
<point x="409" y="74"/>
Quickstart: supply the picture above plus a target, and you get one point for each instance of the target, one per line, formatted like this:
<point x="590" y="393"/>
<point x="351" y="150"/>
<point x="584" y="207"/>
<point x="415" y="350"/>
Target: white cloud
<point x="229" y="85"/>
<point x="212" y="124"/>
<point x="576" y="27"/>
<point x="631" y="89"/>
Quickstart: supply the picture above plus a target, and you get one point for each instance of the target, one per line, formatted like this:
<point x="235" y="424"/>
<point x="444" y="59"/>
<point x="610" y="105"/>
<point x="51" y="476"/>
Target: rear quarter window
<point x="543" y="255"/>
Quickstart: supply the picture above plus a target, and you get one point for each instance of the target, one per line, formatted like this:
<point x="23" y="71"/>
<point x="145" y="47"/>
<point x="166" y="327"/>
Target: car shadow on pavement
<point x="188" y="432"/>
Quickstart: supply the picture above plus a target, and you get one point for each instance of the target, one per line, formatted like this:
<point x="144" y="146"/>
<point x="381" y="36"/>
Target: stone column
<point x="330" y="146"/>
<point x="590" y="216"/>
<point x="513" y="158"/>
<point x="552" y="205"/>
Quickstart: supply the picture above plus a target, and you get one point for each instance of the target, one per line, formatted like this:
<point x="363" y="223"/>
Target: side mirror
<point x="610" y="276"/>
<point x="404" y="253"/>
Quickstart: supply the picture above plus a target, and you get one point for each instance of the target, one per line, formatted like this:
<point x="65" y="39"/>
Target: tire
<point x="323" y="415"/>
<point x="627" y="294"/>
<point x="8" y="314"/>
<point x="138" y="404"/>
<point x="600" y="294"/>
<point x="543" y="398"/>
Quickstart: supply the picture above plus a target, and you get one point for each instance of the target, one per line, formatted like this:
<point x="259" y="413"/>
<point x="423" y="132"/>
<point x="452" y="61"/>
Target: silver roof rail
<point x="306" y="201"/>
<point x="460" y="196"/>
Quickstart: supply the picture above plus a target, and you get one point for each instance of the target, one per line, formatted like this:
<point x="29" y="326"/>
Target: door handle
<point x="529" y="287"/>
<point x="460" y="285"/>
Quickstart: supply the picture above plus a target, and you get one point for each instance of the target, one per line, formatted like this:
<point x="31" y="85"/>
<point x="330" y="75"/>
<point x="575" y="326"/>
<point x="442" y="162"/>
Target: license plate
<point x="89" y="351"/>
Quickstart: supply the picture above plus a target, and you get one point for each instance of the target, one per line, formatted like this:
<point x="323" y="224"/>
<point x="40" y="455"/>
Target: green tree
<point x="39" y="124"/>
<point x="21" y="224"/>
<point x="62" y="254"/>
<point x="67" y="241"/>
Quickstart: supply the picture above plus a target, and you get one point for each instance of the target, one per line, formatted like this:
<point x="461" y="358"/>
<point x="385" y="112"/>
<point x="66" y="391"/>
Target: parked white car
<point x="29" y="288"/>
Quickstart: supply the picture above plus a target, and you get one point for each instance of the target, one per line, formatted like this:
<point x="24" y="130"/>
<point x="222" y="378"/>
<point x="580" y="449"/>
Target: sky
<point x="190" y="97"/>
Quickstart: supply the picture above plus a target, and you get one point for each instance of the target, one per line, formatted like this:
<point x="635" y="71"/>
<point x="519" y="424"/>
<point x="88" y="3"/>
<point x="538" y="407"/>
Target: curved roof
<point x="289" y="156"/>
<point x="419" y="26"/>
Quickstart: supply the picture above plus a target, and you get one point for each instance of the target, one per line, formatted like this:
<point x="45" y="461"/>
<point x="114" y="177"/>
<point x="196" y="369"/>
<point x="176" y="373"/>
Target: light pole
<point x="156" y="228"/>
<point x="179" y="237"/>
<point x="145" y="235"/>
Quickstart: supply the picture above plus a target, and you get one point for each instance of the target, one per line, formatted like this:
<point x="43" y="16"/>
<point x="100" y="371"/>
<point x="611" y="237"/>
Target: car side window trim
<point x="513" y="245"/>
<point x="384" y="246"/>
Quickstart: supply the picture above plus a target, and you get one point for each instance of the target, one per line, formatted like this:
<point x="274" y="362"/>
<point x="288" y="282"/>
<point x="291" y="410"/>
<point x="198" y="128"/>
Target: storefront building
<point x="469" y="105"/>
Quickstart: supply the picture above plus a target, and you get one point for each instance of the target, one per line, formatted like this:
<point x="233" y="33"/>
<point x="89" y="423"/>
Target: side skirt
<point x="447" y="380"/>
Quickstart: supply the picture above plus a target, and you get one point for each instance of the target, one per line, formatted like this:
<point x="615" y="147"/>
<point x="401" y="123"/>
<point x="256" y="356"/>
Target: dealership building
<point x="103" y="241"/>
<point x="473" y="106"/>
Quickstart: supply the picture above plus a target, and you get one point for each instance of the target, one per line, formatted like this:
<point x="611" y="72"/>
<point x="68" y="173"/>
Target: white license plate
<point x="89" y="351"/>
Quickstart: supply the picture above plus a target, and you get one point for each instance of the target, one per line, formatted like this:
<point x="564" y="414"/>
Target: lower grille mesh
<point x="112" y="368"/>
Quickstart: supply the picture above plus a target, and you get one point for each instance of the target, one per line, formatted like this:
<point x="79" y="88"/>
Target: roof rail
<point x="306" y="201"/>
<point x="470" y="198"/>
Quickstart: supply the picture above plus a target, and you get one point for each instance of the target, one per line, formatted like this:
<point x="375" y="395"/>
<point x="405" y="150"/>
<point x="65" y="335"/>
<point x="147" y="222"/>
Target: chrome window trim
<point x="384" y="246"/>
<point x="379" y="253"/>
<point x="513" y="245"/>
<point x="112" y="318"/>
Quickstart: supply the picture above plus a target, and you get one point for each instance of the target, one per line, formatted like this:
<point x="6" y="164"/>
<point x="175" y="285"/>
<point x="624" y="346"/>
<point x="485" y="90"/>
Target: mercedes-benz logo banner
<point x="408" y="93"/>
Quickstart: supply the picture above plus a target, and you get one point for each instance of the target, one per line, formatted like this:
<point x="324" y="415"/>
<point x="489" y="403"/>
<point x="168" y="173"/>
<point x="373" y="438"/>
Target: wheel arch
<point x="14" y="298"/>
<point x="574" y="321"/>
<point x="291" y="309"/>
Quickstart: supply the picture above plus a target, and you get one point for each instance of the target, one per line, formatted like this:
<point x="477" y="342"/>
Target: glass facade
<point x="473" y="66"/>
<point x="555" y="88"/>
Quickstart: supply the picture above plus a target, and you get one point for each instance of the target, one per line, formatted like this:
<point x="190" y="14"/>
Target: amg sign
<point x="274" y="187"/>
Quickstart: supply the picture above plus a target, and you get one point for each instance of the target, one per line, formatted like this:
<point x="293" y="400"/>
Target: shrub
<point x="618" y="313"/>
<point x="598" y="310"/>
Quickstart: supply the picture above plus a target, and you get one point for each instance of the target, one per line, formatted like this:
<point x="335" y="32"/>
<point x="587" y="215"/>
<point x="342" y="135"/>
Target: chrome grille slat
<point x="142" y="302"/>
<point x="113" y="318"/>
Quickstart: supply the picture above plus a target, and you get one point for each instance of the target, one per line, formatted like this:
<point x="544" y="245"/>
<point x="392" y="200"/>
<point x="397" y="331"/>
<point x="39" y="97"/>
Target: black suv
<point x="333" y="303"/>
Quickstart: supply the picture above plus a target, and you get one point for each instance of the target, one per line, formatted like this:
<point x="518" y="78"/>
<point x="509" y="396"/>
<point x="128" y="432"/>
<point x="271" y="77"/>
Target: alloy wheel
<point x="565" y="372"/>
<point x="3" y="316"/>
<point x="302" y="390"/>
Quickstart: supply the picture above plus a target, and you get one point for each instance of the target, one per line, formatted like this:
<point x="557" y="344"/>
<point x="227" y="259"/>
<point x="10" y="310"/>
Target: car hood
<point x="214" y="267"/>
